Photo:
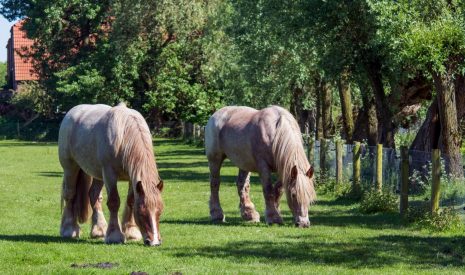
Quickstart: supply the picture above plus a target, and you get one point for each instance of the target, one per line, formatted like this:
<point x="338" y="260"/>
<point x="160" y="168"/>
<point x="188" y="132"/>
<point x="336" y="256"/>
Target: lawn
<point x="340" y="239"/>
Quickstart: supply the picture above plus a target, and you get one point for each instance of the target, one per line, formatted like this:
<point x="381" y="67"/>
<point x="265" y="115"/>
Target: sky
<point x="4" y="35"/>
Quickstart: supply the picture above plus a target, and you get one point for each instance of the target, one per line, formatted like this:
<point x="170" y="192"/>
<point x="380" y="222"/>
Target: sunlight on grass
<point x="341" y="240"/>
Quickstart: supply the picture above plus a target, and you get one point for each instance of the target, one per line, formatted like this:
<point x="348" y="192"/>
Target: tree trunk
<point x="386" y="127"/>
<point x="319" y="119"/>
<point x="346" y="106"/>
<point x="450" y="136"/>
<point x="366" y="124"/>
<point x="326" y="99"/>
<point x="188" y="130"/>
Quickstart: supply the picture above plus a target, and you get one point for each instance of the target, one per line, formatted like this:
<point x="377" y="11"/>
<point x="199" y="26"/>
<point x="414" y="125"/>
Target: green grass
<point x="340" y="240"/>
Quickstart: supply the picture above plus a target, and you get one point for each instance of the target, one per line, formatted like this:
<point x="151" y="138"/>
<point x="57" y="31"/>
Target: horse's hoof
<point x="70" y="231"/>
<point x="217" y="216"/>
<point x="98" y="231"/>
<point x="251" y="216"/>
<point x="114" y="237"/>
<point x="132" y="233"/>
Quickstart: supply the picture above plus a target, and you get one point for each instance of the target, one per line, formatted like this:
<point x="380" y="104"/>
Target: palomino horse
<point x="262" y="141"/>
<point x="100" y="145"/>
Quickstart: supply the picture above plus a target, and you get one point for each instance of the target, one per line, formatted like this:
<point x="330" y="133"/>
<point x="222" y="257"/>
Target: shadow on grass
<point x="36" y="238"/>
<point x="375" y="221"/>
<point x="22" y="144"/>
<point x="372" y="252"/>
<point x="50" y="174"/>
<point x="187" y="176"/>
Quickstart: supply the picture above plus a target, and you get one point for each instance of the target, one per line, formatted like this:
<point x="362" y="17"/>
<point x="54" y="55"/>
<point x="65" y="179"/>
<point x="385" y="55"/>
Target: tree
<point x="436" y="45"/>
<point x="3" y="74"/>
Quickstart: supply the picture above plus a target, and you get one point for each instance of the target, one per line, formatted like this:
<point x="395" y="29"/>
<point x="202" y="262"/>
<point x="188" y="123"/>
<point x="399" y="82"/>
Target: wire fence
<point x="452" y="191"/>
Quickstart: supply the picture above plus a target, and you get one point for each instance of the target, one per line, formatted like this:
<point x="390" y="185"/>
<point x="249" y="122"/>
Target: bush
<point x="341" y="190"/>
<point x="447" y="219"/>
<point x="377" y="202"/>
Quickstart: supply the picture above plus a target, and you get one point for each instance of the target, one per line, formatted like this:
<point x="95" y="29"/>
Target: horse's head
<point x="300" y="193"/>
<point x="148" y="206"/>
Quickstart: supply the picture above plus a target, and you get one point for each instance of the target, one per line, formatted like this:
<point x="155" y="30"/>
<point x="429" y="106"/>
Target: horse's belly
<point x="243" y="161"/>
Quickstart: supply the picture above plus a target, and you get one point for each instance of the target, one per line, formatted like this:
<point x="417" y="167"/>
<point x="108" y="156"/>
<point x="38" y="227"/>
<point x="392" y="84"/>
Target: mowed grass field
<point x="340" y="239"/>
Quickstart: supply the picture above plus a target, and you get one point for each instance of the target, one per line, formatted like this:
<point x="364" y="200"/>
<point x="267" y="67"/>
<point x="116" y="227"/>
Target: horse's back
<point x="78" y="137"/>
<point x="237" y="133"/>
<point x="230" y="116"/>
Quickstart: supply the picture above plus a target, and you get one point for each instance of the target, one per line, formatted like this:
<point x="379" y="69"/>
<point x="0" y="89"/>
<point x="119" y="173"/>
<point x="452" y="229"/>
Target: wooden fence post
<point x="357" y="166"/>
<point x="404" y="180"/>
<point x="436" y="177"/>
<point x="323" y="150"/>
<point x="339" y="161"/>
<point x="311" y="150"/>
<point x="379" y="167"/>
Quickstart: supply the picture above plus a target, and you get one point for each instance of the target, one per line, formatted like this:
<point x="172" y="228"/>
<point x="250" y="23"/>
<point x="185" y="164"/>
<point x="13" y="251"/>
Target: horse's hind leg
<point x="246" y="206"/>
<point x="69" y="221"/>
<point x="130" y="229"/>
<point x="99" y="224"/>
<point x="216" y="212"/>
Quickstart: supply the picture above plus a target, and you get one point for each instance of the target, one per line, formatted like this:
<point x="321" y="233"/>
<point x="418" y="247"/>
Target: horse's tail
<point x="81" y="202"/>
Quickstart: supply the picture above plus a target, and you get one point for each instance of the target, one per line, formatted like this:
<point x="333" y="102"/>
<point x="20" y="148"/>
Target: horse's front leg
<point x="246" y="205"/>
<point x="272" y="214"/>
<point x="130" y="229"/>
<point x="99" y="224"/>
<point x="278" y="192"/>
<point x="114" y="234"/>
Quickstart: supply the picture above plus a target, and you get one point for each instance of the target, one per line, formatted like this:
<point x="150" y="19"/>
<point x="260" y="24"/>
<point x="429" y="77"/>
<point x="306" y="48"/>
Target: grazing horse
<point x="263" y="141"/>
<point x="99" y="145"/>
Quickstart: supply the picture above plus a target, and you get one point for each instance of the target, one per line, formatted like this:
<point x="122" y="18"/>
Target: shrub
<point x="447" y="219"/>
<point x="377" y="202"/>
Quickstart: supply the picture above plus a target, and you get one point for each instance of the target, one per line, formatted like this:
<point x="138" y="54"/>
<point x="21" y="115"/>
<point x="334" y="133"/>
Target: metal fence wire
<point x="420" y="166"/>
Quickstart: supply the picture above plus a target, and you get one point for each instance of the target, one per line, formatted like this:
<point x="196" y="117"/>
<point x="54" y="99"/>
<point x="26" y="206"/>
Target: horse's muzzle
<point x="302" y="222"/>
<point x="152" y="243"/>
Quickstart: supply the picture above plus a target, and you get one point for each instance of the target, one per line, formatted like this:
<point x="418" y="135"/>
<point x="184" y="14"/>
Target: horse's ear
<point x="160" y="185"/>
<point x="294" y="172"/>
<point x="310" y="172"/>
<point x="139" y="189"/>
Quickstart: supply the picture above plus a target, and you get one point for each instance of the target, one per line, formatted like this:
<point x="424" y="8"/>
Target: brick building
<point x="19" y="68"/>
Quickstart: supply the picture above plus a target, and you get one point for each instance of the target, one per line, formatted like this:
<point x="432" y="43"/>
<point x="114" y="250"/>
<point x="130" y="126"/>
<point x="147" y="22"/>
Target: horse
<point x="99" y="145"/>
<point x="263" y="141"/>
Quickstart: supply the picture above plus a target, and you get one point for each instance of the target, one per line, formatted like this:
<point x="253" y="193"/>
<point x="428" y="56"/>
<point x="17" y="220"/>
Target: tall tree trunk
<point x="346" y="105"/>
<point x="386" y="127"/>
<point x="366" y="124"/>
<point x="319" y="118"/>
<point x="326" y="100"/>
<point x="450" y="136"/>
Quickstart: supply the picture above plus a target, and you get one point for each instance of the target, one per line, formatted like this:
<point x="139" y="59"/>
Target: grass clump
<point x="378" y="202"/>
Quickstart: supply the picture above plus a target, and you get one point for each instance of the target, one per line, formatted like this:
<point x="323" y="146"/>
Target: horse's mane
<point x="288" y="151"/>
<point x="134" y="143"/>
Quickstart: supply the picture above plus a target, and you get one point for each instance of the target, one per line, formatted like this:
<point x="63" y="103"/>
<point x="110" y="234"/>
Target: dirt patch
<point x="105" y="265"/>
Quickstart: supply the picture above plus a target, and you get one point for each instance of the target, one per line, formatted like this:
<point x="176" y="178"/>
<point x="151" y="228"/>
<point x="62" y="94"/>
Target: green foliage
<point x="33" y="98"/>
<point x="3" y="74"/>
<point x="379" y="202"/>
<point x="342" y="191"/>
<point x="447" y="218"/>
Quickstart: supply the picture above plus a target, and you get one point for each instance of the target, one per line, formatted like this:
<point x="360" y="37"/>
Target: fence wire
<point x="420" y="166"/>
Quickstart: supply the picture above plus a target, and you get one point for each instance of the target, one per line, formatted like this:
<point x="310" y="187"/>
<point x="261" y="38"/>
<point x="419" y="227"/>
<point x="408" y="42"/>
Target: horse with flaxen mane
<point x="263" y="141"/>
<point x="99" y="145"/>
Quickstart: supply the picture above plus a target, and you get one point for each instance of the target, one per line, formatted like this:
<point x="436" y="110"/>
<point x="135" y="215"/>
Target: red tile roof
<point x="24" y="69"/>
